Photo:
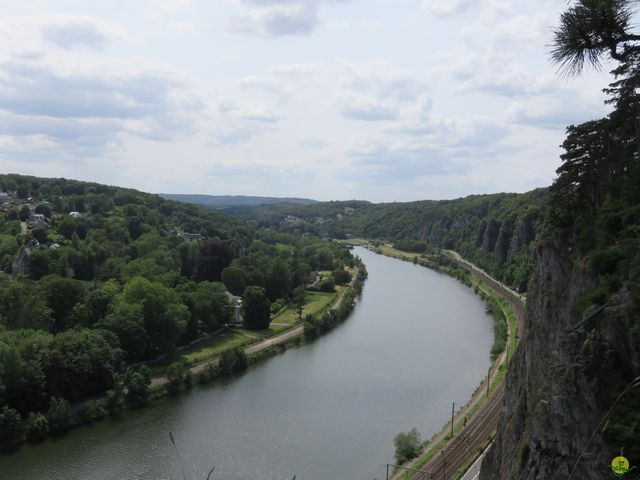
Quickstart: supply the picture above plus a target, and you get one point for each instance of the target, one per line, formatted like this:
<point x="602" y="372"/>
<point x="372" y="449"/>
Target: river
<point x="328" y="410"/>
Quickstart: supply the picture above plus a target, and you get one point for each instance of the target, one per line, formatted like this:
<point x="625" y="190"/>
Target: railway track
<point x="469" y="442"/>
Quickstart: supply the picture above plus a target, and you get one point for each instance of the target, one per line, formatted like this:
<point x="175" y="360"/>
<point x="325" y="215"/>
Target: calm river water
<point x="329" y="410"/>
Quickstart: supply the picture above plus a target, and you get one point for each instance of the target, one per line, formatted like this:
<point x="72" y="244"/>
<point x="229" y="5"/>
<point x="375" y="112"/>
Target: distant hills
<point x="223" y="201"/>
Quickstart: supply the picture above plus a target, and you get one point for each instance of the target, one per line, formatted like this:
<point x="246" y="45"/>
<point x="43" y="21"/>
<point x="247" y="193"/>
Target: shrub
<point x="10" y="425"/>
<point x="176" y="374"/>
<point x="407" y="445"/>
<point x="233" y="361"/>
<point x="328" y="285"/>
<point x="92" y="410"/>
<point x="59" y="415"/>
<point x="37" y="427"/>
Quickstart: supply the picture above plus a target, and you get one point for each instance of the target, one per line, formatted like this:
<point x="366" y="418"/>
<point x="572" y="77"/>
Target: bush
<point x="277" y="305"/>
<point x="176" y="374"/>
<point x="37" y="427"/>
<point x="11" y="428"/>
<point x="328" y="285"/>
<point x="233" y="361"/>
<point x="407" y="445"/>
<point x="92" y="410"/>
<point x="59" y="415"/>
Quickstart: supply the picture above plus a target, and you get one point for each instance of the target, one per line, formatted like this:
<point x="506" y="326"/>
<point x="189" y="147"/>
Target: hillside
<point x="224" y="201"/>
<point x="96" y="281"/>
<point x="494" y="231"/>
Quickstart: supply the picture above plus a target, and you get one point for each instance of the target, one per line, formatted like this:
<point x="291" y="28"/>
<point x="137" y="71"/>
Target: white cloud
<point x="444" y="8"/>
<point x="69" y="31"/>
<point x="179" y="26"/>
<point x="272" y="18"/>
<point x="169" y="6"/>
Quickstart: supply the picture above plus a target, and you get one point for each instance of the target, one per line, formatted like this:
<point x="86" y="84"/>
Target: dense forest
<point x="494" y="231"/>
<point x="96" y="279"/>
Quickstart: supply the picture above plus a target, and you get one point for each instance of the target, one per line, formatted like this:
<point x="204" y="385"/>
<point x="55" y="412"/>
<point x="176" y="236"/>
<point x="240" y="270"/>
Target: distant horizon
<point x="269" y="97"/>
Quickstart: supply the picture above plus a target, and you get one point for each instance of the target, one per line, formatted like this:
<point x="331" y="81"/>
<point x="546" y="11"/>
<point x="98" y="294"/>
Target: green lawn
<point x="316" y="302"/>
<point x="214" y="346"/>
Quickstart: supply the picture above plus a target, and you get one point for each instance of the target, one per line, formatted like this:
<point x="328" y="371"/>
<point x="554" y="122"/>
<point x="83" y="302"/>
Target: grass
<point x="316" y="303"/>
<point x="394" y="252"/>
<point x="214" y="346"/>
<point x="506" y="309"/>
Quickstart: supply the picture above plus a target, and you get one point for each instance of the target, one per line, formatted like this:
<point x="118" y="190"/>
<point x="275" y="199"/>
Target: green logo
<point x="620" y="466"/>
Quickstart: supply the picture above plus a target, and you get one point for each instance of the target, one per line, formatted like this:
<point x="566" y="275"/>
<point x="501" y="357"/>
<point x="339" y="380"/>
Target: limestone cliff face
<point x="560" y="384"/>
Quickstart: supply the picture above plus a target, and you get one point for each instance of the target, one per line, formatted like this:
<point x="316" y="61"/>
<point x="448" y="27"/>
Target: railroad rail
<point x="468" y="442"/>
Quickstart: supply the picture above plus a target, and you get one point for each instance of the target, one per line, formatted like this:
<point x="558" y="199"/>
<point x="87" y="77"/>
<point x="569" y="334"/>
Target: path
<point x="257" y="347"/>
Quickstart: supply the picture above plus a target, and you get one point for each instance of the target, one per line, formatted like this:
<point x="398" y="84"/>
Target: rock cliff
<point x="563" y="379"/>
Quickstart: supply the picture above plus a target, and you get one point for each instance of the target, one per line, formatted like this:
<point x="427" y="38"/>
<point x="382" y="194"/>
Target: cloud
<point x="551" y="111"/>
<point x="181" y="27"/>
<point x="443" y="8"/>
<point x="376" y="91"/>
<point x="272" y="18"/>
<point x="69" y="31"/>
<point x="169" y="6"/>
<point x="88" y="107"/>
<point x="367" y="108"/>
<point x="279" y="80"/>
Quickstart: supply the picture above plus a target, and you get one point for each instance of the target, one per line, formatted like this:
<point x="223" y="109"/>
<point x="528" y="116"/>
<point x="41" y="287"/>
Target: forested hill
<point x="95" y="280"/>
<point x="224" y="201"/>
<point x="495" y="231"/>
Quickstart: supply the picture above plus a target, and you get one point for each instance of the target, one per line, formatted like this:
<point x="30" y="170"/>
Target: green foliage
<point x="136" y="384"/>
<point x="11" y="428"/>
<point x="235" y="279"/>
<point x="37" y="427"/>
<point x="233" y="361"/>
<point x="256" y="308"/>
<point x="177" y="376"/>
<point x="407" y="445"/>
<point x="93" y="410"/>
<point x="59" y="415"/>
<point x="327" y="285"/>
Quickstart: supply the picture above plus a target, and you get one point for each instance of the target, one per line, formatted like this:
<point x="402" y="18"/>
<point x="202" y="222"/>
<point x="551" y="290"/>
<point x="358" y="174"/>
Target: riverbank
<point x="482" y="409"/>
<point x="230" y="351"/>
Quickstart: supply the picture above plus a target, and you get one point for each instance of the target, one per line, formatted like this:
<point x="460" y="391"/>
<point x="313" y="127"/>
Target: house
<point x="20" y="266"/>
<point x="38" y="220"/>
<point x="235" y="303"/>
<point x="4" y="197"/>
<point x="190" y="237"/>
<point x="75" y="214"/>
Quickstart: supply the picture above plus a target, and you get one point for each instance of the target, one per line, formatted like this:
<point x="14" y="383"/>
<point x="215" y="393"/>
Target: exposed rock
<point x="559" y="383"/>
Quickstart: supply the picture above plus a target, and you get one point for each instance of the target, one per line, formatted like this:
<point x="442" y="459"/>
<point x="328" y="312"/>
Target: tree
<point x="256" y="308"/>
<point x="23" y="191"/>
<point x="137" y="384"/>
<point x="278" y="280"/>
<point x="59" y="415"/>
<point x="37" y="427"/>
<point x="591" y="29"/>
<point x="299" y="300"/>
<point x="214" y="256"/>
<point x="25" y="213"/>
<point x="407" y="445"/>
<point x="233" y="360"/>
<point x="176" y="375"/>
<point x="165" y="318"/>
<point x="62" y="295"/>
<point x="10" y="425"/>
<point x="44" y="209"/>
<point x="328" y="285"/>
<point x="235" y="279"/>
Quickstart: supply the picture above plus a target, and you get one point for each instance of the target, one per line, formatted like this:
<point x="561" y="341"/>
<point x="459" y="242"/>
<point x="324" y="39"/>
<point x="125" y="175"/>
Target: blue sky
<point x="384" y="100"/>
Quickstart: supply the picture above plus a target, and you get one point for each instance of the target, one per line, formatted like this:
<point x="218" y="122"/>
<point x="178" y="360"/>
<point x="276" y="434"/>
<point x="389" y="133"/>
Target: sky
<point x="381" y="100"/>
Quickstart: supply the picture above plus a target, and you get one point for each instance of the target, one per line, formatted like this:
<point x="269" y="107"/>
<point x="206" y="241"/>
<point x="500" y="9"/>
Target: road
<point x="257" y="347"/>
